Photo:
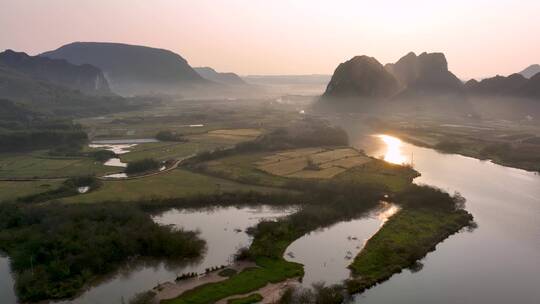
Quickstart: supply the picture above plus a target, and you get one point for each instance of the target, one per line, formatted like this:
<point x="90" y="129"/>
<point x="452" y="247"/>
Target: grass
<point x="241" y="168"/>
<point x="13" y="190"/>
<point x="196" y="143"/>
<point x="248" y="168"/>
<point x="405" y="238"/>
<point x="394" y="177"/>
<point x="509" y="145"/>
<point x="37" y="165"/>
<point x="176" y="183"/>
<point x="271" y="239"/>
<point x="293" y="163"/>
<point x="166" y="150"/>
<point x="251" y="279"/>
<point x="252" y="298"/>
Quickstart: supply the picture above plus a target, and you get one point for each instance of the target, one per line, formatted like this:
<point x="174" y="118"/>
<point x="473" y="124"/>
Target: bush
<point x="56" y="249"/>
<point x="141" y="166"/>
<point x="319" y="294"/>
<point x="170" y="136"/>
<point x="227" y="272"/>
<point x="68" y="188"/>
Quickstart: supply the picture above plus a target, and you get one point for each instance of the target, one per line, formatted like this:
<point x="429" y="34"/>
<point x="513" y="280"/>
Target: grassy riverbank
<point x="404" y="239"/>
<point x="512" y="148"/>
<point x="329" y="203"/>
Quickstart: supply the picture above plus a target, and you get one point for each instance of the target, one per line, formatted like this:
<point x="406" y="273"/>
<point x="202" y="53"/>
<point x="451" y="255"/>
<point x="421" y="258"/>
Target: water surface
<point x="7" y="292"/>
<point x="499" y="262"/>
<point x="326" y="253"/>
<point x="222" y="228"/>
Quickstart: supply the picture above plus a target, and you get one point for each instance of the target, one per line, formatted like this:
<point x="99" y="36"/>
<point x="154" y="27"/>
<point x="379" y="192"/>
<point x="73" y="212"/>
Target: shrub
<point x="143" y="165"/>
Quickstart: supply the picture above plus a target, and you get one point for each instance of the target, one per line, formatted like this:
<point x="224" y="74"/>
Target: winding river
<point x="499" y="262"/>
<point x="336" y="246"/>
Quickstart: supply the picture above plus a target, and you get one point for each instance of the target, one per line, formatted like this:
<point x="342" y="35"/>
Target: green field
<point x="244" y="168"/>
<point x="175" y="183"/>
<point x="14" y="190"/>
<point x="165" y="150"/>
<point x="405" y="238"/>
<point x="36" y="165"/>
<point x="251" y="279"/>
<point x="395" y="177"/>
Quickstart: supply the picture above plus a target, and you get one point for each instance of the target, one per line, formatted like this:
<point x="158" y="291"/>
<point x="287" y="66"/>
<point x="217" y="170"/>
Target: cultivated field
<point x="312" y="162"/>
<point x="14" y="190"/>
<point x="38" y="165"/>
<point x="176" y="183"/>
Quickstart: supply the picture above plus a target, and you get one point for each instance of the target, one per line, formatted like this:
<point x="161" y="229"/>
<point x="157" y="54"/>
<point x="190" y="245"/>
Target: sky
<point x="480" y="38"/>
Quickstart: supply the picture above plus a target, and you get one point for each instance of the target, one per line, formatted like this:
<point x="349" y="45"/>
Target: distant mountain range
<point x="223" y="78"/>
<point x="133" y="69"/>
<point x="362" y="76"/>
<point x="39" y="84"/>
<point x="411" y="76"/>
<point x="86" y="78"/>
<point x="423" y="76"/>
<point x="530" y="71"/>
<point x="515" y="85"/>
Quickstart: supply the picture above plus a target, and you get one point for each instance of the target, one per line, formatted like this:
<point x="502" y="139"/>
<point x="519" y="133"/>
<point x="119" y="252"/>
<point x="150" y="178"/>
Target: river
<point x="223" y="229"/>
<point x="326" y="253"/>
<point x="499" y="262"/>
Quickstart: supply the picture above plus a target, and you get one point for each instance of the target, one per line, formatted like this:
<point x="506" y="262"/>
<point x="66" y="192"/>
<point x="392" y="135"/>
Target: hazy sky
<point x="479" y="37"/>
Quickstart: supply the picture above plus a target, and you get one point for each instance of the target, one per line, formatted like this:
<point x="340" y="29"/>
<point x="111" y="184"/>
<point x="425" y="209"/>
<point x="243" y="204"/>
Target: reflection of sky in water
<point x="222" y="228"/>
<point x="327" y="252"/>
<point x="116" y="148"/>
<point x="498" y="262"/>
<point x="393" y="153"/>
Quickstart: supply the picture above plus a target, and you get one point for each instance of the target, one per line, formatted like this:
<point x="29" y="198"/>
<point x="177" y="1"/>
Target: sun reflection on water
<point x="387" y="211"/>
<point x="393" y="153"/>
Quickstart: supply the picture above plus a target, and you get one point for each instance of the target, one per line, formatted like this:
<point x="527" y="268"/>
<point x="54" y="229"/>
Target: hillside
<point x="53" y="99"/>
<point x="362" y="76"/>
<point x="219" y="77"/>
<point x="86" y="78"/>
<point x="425" y="74"/>
<point x="133" y="69"/>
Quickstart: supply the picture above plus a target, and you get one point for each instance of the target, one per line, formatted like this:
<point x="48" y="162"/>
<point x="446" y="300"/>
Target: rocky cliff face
<point x="425" y="74"/>
<point x="410" y="77"/>
<point x="132" y="69"/>
<point x="362" y="76"/>
<point x="85" y="78"/>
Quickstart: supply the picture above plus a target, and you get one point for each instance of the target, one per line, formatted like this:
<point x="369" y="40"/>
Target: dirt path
<point x="168" y="169"/>
<point x="170" y="290"/>
<point x="270" y="293"/>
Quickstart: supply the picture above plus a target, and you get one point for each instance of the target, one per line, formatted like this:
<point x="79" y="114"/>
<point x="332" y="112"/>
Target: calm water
<point x="223" y="229"/>
<point x="118" y="148"/>
<point x="326" y="253"/>
<point x="499" y="262"/>
<point x="7" y="293"/>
